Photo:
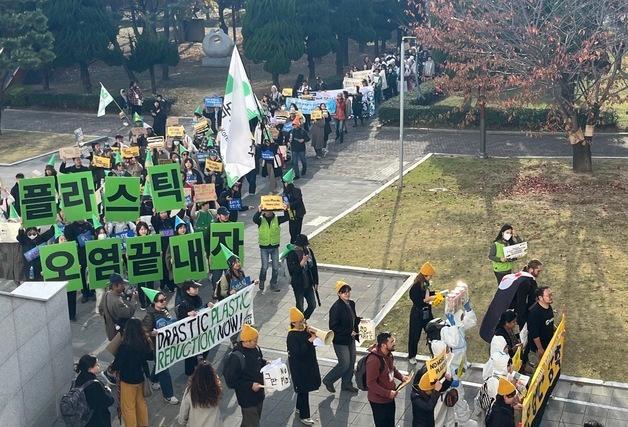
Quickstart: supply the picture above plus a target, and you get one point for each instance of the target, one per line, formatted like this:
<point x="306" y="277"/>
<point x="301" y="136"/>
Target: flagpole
<point x="117" y="105"/>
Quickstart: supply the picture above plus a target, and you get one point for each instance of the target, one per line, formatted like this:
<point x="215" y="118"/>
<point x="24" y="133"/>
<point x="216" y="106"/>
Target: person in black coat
<point x="304" y="370"/>
<point x="29" y="239"/>
<point x="190" y="303"/>
<point x="15" y="192"/>
<point x="98" y="395"/>
<point x="73" y="233"/>
<point x="526" y="291"/>
<point x="296" y="209"/>
<point x="502" y="412"/>
<point x="421" y="311"/>
<point x="343" y="321"/>
<point x="424" y="396"/>
<point x="303" y="271"/>
<point x="75" y="168"/>
<point x="163" y="224"/>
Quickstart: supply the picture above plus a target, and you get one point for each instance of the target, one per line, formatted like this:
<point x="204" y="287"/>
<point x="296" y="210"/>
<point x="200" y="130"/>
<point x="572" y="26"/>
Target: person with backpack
<point x="131" y="367"/>
<point x="199" y="405"/>
<point x="304" y="370"/>
<point x="424" y="397"/>
<point x="242" y="373"/>
<point x="303" y="270"/>
<point x="380" y="374"/>
<point x="95" y="395"/>
<point x="190" y="303"/>
<point x="116" y="307"/>
<point x="421" y="311"/>
<point x="343" y="321"/>
<point x="502" y="413"/>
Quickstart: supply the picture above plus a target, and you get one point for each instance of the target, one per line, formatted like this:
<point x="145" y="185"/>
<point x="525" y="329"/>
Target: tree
<point x="314" y="21"/>
<point x="388" y="16"/>
<point x="350" y="19"/>
<point x="271" y="36"/>
<point x="25" y="41"/>
<point x="150" y="49"/>
<point x="83" y="30"/>
<point x="565" y="52"/>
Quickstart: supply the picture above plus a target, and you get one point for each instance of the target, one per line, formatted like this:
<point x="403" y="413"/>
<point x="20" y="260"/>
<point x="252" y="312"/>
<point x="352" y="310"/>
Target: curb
<point x="497" y="132"/>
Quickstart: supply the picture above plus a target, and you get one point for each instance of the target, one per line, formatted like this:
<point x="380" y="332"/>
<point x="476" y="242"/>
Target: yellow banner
<point x="286" y="91"/>
<point x="212" y="166"/>
<point x="317" y="115"/>
<point x="437" y="366"/>
<point x="545" y="375"/>
<point x="101" y="162"/>
<point x="272" y="202"/>
<point x="175" y="131"/>
<point x="128" y="152"/>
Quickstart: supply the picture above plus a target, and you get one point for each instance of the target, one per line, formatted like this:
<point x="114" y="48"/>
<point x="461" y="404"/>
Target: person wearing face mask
<point x="29" y="239"/>
<point x="502" y="265"/>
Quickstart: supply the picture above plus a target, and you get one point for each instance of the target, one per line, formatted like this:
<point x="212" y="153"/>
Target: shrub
<point x="427" y="94"/>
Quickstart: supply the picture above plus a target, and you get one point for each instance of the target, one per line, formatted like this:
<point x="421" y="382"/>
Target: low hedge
<point x="427" y="94"/>
<point x="21" y="97"/>
<point x="454" y="117"/>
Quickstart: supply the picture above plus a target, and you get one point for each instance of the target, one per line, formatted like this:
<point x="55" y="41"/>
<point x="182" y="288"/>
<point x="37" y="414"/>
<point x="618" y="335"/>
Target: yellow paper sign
<point x="155" y="142"/>
<point x="101" y="162"/>
<point x="213" y="166"/>
<point x="138" y="131"/>
<point x="545" y="375"/>
<point x="516" y="360"/>
<point x="129" y="152"/>
<point x="272" y="202"/>
<point x="175" y="131"/>
<point x="204" y="192"/>
<point x="317" y="115"/>
<point x="437" y="366"/>
<point x="286" y="91"/>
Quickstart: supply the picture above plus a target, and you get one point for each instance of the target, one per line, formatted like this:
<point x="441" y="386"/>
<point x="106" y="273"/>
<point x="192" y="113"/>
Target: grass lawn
<point x="575" y="224"/>
<point x="17" y="145"/>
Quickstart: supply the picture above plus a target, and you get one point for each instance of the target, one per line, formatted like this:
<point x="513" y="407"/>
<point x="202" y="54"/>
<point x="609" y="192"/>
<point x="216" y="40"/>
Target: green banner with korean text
<point x="144" y="258"/>
<point x="230" y="234"/>
<point x="104" y="257"/>
<point x="76" y="193"/>
<point x="122" y="198"/>
<point x="38" y="201"/>
<point x="167" y="187"/>
<point x="60" y="263"/>
<point x="189" y="261"/>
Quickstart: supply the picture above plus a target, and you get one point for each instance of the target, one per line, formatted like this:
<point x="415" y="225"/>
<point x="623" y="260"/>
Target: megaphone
<point x="326" y="336"/>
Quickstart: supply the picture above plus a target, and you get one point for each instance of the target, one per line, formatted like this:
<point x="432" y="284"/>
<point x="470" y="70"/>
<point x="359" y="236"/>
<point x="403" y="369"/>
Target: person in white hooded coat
<point x="500" y="365"/>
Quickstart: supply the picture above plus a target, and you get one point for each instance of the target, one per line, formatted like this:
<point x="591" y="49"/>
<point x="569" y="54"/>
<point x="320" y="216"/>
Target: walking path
<point x="349" y="173"/>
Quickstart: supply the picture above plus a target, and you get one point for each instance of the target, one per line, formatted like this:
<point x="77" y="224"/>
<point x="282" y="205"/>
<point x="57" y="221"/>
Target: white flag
<point x="105" y="99"/>
<point x="236" y="144"/>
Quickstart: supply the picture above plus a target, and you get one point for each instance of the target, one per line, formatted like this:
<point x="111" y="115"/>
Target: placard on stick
<point x="68" y="153"/>
<point x="205" y="192"/>
<point x="272" y="202"/>
<point x="101" y="162"/>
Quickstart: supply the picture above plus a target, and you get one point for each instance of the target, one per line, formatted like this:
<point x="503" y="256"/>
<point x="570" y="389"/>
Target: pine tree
<point x="314" y="20"/>
<point x="83" y="30"/>
<point x="150" y="49"/>
<point x="25" y="41"/>
<point x="350" y="19"/>
<point x="271" y="36"/>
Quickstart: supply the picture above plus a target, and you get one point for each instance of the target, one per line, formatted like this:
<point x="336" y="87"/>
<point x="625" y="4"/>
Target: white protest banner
<point x="276" y="377"/>
<point x="366" y="330"/>
<point x="516" y="251"/>
<point x="211" y="326"/>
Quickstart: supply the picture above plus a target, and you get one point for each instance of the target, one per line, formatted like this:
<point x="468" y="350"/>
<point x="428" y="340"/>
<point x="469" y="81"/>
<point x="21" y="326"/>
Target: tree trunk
<point x="582" y="157"/>
<point x="275" y="79"/>
<point x="383" y="46"/>
<point x="311" y="66"/>
<point x="233" y="23"/>
<point x="164" y="67"/>
<point x="345" y="48"/>
<point x="46" y="72"/>
<point x="339" y="72"/>
<point x="153" y="85"/>
<point x="85" y="80"/>
<point x="221" y="18"/>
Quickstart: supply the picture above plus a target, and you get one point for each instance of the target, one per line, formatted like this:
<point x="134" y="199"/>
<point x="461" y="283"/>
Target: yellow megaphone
<point x="326" y="336"/>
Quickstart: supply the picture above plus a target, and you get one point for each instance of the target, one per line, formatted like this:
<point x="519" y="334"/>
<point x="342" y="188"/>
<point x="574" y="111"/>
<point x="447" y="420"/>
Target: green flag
<point x="117" y="158"/>
<point x="96" y="221"/>
<point x="147" y="191"/>
<point x="13" y="213"/>
<point x="231" y="179"/>
<point x="58" y="231"/>
<point x="288" y="177"/>
<point x="149" y="158"/>
<point x="289" y="248"/>
<point x="182" y="149"/>
<point x="52" y="160"/>
<point x="105" y="99"/>
<point x="137" y="117"/>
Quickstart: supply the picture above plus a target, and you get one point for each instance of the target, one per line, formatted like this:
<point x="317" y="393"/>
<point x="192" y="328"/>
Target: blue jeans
<point x="165" y="381"/>
<point x="308" y="295"/>
<point x="344" y="368"/>
<point x="265" y="253"/>
<point x="296" y="156"/>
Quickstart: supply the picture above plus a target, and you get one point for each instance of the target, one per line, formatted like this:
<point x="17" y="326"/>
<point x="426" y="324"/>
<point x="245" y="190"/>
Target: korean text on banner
<point x="104" y="257"/>
<point x="144" y="258"/>
<point x="76" y="192"/>
<point x="188" y="257"/>
<point x="38" y="201"/>
<point x="122" y="198"/>
<point x="167" y="187"/>
<point x="545" y="376"/>
<point x="516" y="251"/>
<point x="230" y="234"/>
<point x="101" y="162"/>
<point x="60" y="263"/>
<point x="437" y="366"/>
<point x="200" y="333"/>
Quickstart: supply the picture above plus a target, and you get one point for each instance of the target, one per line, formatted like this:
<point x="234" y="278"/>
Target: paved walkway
<point x="349" y="173"/>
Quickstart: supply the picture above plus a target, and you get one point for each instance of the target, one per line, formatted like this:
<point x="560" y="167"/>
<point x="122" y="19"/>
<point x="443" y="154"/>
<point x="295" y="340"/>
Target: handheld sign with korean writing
<point x="76" y="193"/>
<point x="69" y="153"/>
<point x="317" y="115"/>
<point x="144" y="258"/>
<point x="175" y="131"/>
<point x="286" y="91"/>
<point x="272" y="202"/>
<point x="128" y="152"/>
<point x="235" y="204"/>
<point x="60" y="263"/>
<point x="167" y="187"/>
<point x="230" y="234"/>
<point x="101" y="162"/>
<point x="104" y="257"/>
<point x="38" y="201"/>
<point x="188" y="257"/>
<point x="156" y="142"/>
<point x="213" y="166"/>
<point x="204" y="192"/>
<point x="122" y="198"/>
<point x="516" y="251"/>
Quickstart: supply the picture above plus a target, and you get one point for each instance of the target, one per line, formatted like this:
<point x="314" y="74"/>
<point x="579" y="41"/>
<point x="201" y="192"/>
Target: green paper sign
<point x="38" y="201"/>
<point x="189" y="261"/>
<point x="202" y="224"/>
<point x="60" y="263"/>
<point x="230" y="234"/>
<point x="167" y="187"/>
<point x="104" y="257"/>
<point x="122" y="198"/>
<point x="76" y="191"/>
<point x="144" y="258"/>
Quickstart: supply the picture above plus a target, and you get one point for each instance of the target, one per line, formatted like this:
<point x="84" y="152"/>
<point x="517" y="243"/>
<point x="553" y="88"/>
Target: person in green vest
<point x="269" y="237"/>
<point x="502" y="265"/>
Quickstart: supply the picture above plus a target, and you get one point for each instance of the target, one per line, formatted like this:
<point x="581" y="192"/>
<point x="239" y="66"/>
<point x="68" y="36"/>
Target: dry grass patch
<point x="17" y="145"/>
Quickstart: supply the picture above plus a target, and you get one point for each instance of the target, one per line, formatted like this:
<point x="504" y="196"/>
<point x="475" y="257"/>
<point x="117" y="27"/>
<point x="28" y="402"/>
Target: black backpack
<point x="360" y="371"/>
<point x="229" y="379"/>
<point x="433" y="328"/>
<point x="73" y="405"/>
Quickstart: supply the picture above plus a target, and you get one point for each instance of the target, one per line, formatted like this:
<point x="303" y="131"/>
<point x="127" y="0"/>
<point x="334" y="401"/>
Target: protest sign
<point x="188" y="257"/>
<point x="267" y="154"/>
<point x="8" y="231"/>
<point x="198" y="334"/>
<point x="165" y="161"/>
<point x="230" y="234"/>
<point x="32" y="254"/>
<point x="155" y="142"/>
<point x="276" y="377"/>
<point x="286" y="91"/>
<point x="144" y="258"/>
<point x="122" y="198"/>
<point x="128" y="152"/>
<point x="366" y="330"/>
<point x="38" y="201"/>
<point x="101" y="162"/>
<point x="365" y="74"/>
<point x="272" y="202"/>
<point x="213" y="101"/>
<point x="69" y="153"/>
<point x="306" y="106"/>
<point x="60" y="263"/>
<point x="204" y="192"/>
<point x="437" y="366"/>
<point x="235" y="204"/>
<point x="76" y="193"/>
<point x="351" y="82"/>
<point x="544" y="378"/>
<point x="138" y="131"/>
<point x="167" y="187"/>
<point x="516" y="251"/>
<point x="317" y="115"/>
<point x="104" y="257"/>
<point x="213" y="166"/>
<point x="175" y="131"/>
